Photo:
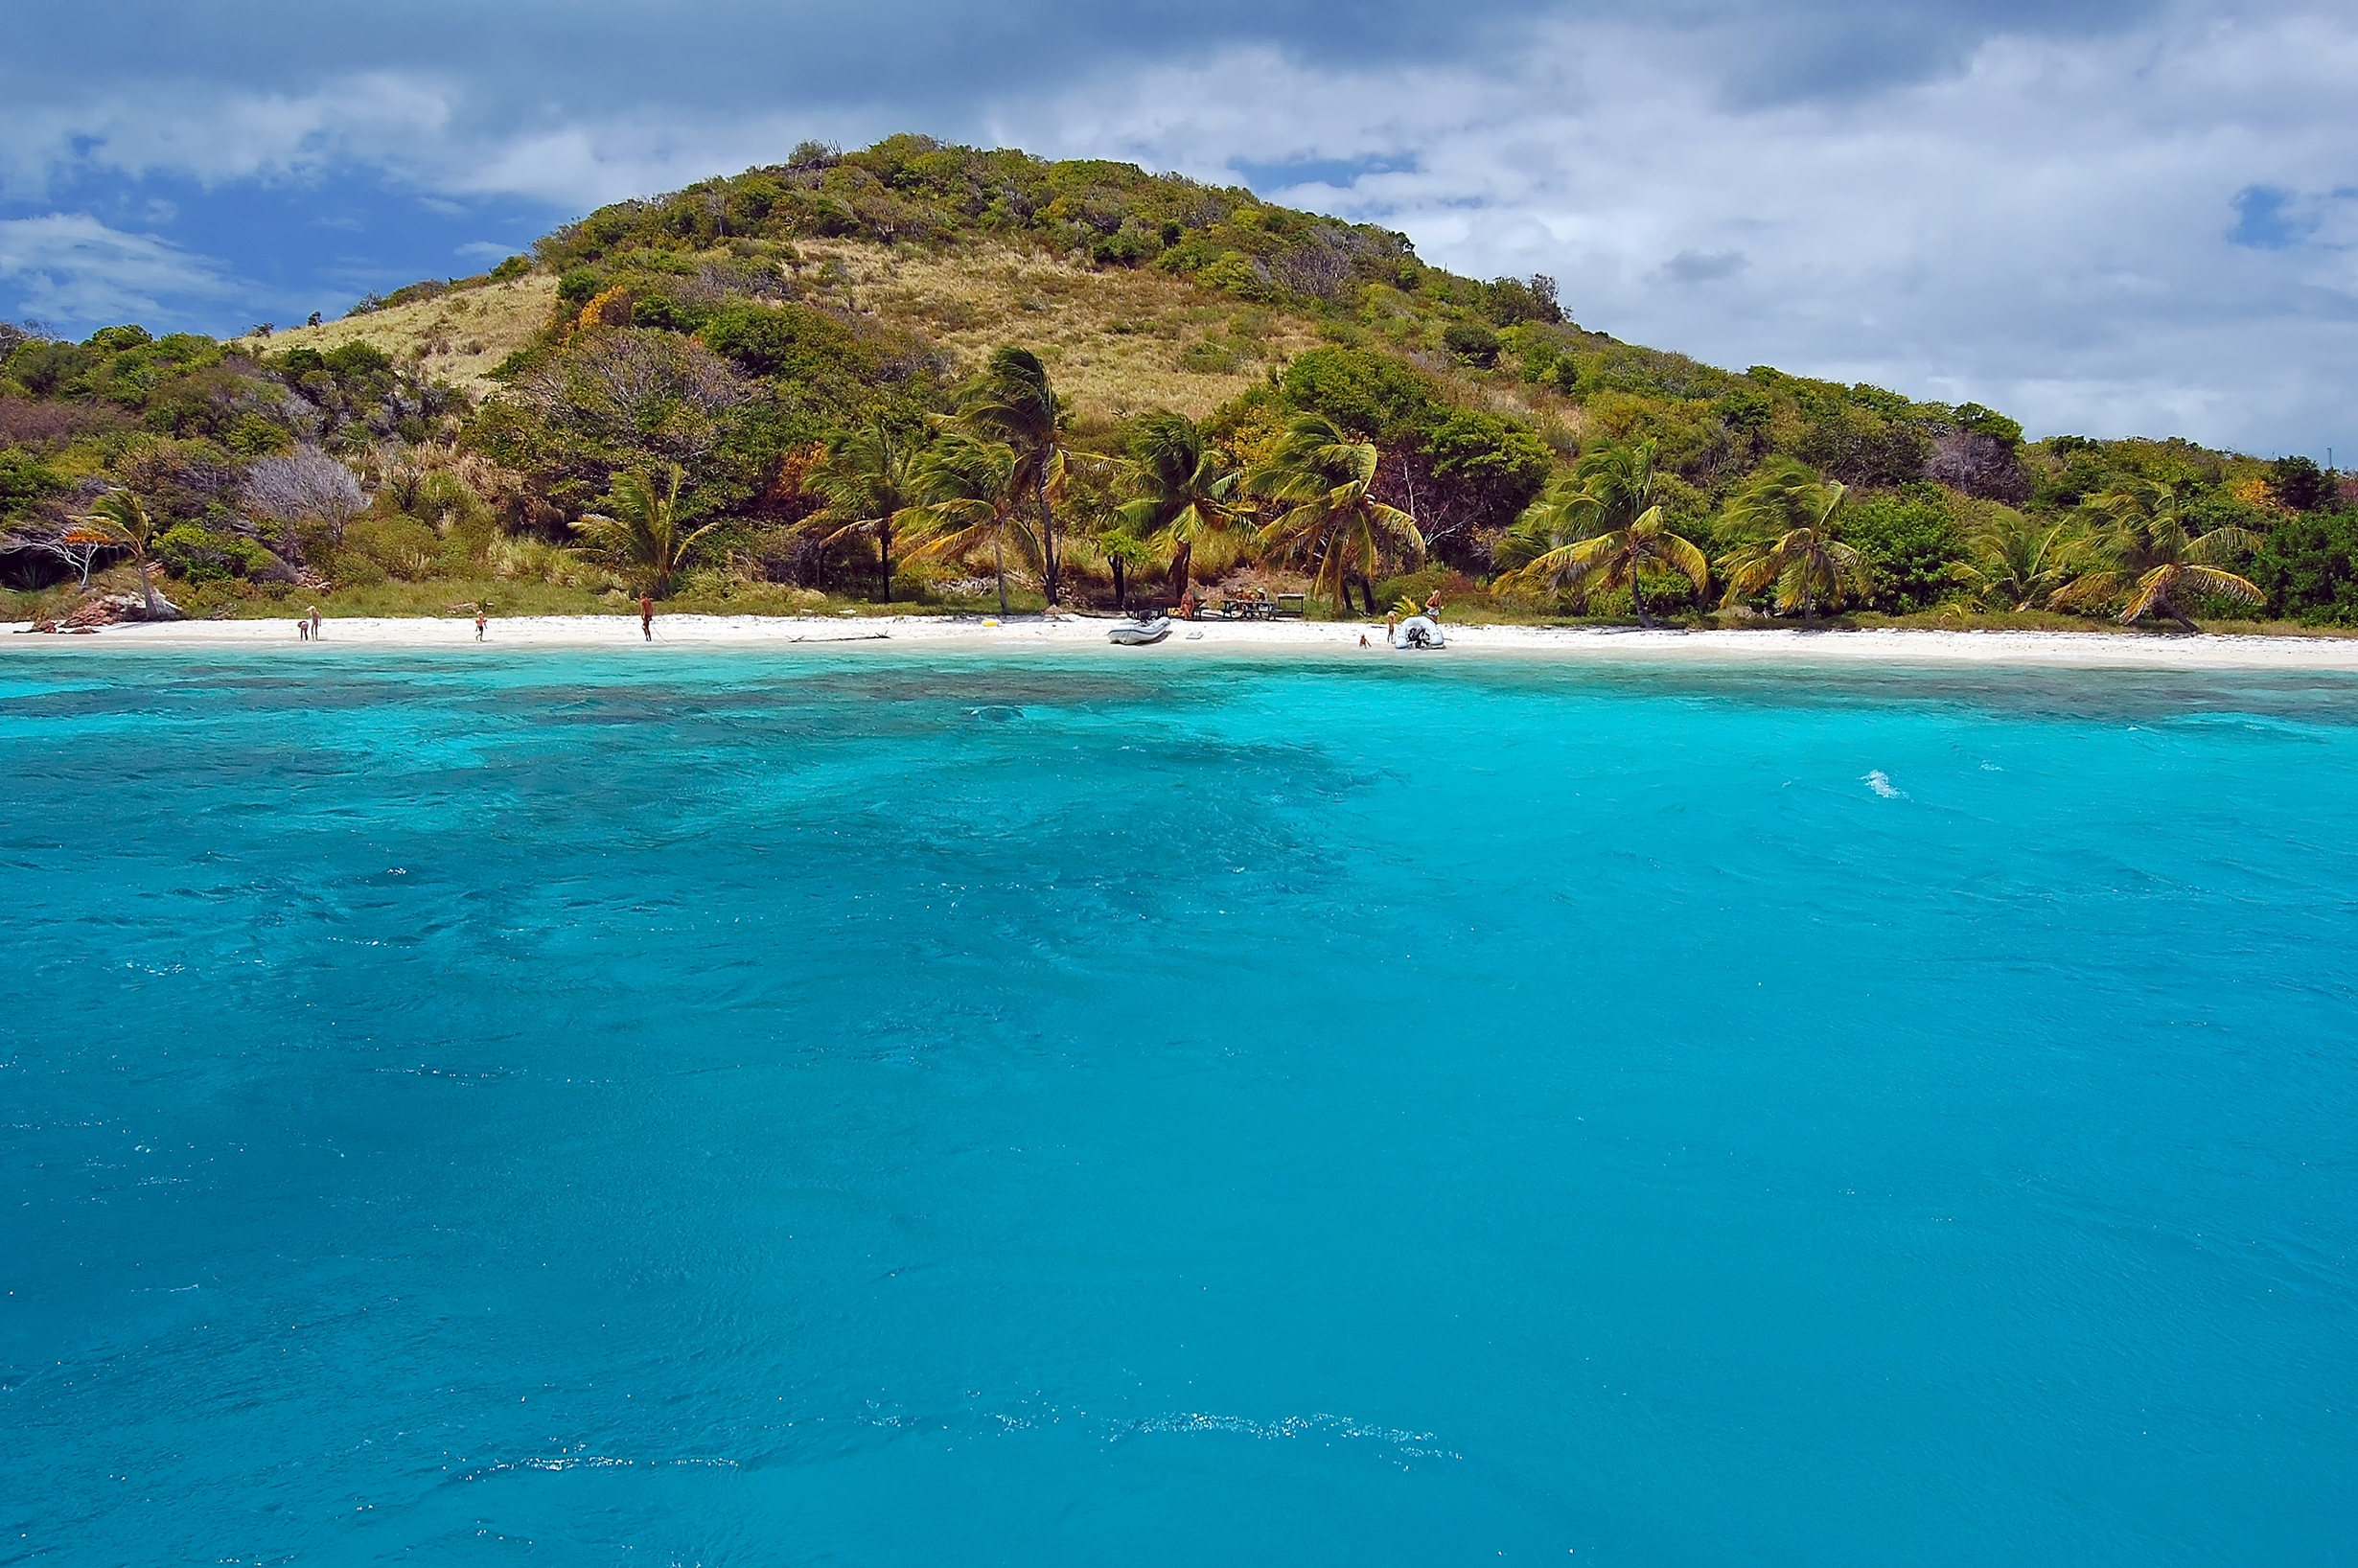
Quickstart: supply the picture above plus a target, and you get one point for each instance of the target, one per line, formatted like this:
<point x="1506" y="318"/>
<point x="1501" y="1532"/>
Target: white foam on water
<point x="1881" y="783"/>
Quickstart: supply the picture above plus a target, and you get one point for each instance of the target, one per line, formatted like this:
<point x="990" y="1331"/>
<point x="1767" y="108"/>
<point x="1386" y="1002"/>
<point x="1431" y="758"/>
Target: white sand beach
<point x="1080" y="635"/>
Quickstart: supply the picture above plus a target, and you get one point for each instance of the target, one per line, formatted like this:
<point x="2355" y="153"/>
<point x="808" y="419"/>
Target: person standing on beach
<point x="646" y="616"/>
<point x="314" y="623"/>
<point x="480" y="621"/>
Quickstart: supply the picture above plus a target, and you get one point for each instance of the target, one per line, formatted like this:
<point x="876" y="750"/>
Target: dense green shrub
<point x="1910" y="541"/>
<point x="210" y="555"/>
<point x="356" y="359"/>
<point x="1362" y="391"/>
<point x="398" y="545"/>
<point x="24" y="483"/>
<point x="1472" y="341"/>
<point x="2308" y="567"/>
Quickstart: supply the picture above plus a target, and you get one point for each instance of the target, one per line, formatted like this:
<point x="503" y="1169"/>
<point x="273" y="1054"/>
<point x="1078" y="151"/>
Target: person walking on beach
<point x="314" y="623"/>
<point x="479" y="623"/>
<point x="646" y="616"/>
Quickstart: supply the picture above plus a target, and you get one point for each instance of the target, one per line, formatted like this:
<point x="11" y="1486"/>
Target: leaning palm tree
<point x="1332" y="524"/>
<point x="868" y="478"/>
<point x="119" y="519"/>
<point x="2155" y="557"/>
<point x="1604" y="529"/>
<point x="1183" y="495"/>
<point x="2020" y="564"/>
<point x="643" y="536"/>
<point x="1795" y="511"/>
<point x="971" y="493"/>
<point x="1015" y="406"/>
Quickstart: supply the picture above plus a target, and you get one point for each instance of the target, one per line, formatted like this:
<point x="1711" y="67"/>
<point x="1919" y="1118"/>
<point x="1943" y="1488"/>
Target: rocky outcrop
<point x="111" y="609"/>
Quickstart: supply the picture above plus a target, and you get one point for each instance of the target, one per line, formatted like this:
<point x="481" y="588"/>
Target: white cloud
<point x="2046" y="231"/>
<point x="71" y="266"/>
<point x="2150" y="228"/>
<point x="191" y="130"/>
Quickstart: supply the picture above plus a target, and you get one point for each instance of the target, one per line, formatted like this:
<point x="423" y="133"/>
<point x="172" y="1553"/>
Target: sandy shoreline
<point x="1335" y="639"/>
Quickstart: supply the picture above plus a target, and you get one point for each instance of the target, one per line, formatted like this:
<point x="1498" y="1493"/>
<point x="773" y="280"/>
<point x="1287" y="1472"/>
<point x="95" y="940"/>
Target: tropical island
<point x="923" y="378"/>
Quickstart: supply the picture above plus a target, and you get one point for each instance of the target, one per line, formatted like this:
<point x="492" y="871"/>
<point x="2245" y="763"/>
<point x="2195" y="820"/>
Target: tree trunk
<point x="1181" y="559"/>
<point x="883" y="551"/>
<point x="1637" y="597"/>
<point x="1122" y="585"/>
<point x="998" y="564"/>
<point x="1048" y="536"/>
<point x="147" y="587"/>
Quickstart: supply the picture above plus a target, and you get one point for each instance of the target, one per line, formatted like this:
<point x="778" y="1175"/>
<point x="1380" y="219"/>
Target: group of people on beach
<point x="1392" y="621"/>
<point x="308" y="627"/>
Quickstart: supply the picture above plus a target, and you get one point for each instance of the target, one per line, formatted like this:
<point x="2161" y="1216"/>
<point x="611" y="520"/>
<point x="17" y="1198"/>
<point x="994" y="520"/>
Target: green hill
<point x="745" y="326"/>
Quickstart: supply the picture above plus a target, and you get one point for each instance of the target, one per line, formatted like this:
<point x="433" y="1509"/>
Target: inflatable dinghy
<point x="1419" y="632"/>
<point x="1139" y="633"/>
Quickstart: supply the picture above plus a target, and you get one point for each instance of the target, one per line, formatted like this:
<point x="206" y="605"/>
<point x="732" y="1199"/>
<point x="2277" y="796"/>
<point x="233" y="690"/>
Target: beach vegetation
<point x="2018" y="563"/>
<point x="1603" y="528"/>
<point x="119" y="519"/>
<point x="1184" y="494"/>
<point x="800" y="338"/>
<point x="2153" y="561"/>
<point x="643" y="533"/>
<point x="1013" y="405"/>
<point x="1793" y="551"/>
<point x="870" y="479"/>
<point x="1327" y="522"/>
<point x="972" y="494"/>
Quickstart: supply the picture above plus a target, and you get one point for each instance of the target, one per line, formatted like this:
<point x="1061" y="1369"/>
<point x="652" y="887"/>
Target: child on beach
<point x="646" y="616"/>
<point x="479" y="623"/>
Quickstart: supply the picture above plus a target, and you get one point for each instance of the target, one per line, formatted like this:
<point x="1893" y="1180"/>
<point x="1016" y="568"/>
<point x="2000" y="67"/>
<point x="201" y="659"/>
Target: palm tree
<point x="2155" y="557"/>
<point x="644" y="535"/>
<point x="2018" y="564"/>
<point x="1183" y="493"/>
<point x="1802" y="558"/>
<point x="1332" y="523"/>
<point x="868" y="477"/>
<point x="970" y="492"/>
<point x="1015" y="406"/>
<point x="120" y="518"/>
<point x="1620" y="559"/>
<point x="1603" y="528"/>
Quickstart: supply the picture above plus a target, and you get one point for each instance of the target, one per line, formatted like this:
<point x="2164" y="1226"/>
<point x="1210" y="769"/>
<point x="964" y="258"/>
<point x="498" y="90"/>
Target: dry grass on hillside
<point x="457" y="337"/>
<point x="1118" y="343"/>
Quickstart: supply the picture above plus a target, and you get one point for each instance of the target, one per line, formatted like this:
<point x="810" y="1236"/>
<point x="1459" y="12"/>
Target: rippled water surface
<point x="740" y="1111"/>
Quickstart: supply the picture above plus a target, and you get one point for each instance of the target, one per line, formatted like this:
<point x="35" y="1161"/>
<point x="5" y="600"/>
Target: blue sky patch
<point x="1339" y="172"/>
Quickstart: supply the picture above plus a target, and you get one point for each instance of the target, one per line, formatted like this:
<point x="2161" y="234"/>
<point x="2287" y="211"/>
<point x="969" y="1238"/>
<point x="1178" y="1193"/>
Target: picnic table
<point x="1253" y="607"/>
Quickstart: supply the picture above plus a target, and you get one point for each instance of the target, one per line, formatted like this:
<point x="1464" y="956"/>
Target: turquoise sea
<point x="734" y="1109"/>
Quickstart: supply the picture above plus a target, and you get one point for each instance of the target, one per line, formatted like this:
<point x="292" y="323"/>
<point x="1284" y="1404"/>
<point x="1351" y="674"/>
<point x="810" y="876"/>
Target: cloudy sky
<point x="2109" y="216"/>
